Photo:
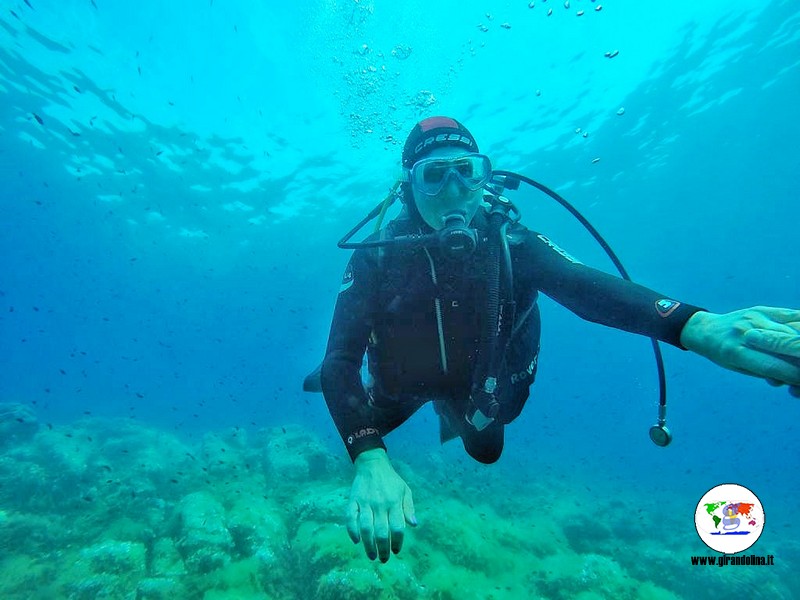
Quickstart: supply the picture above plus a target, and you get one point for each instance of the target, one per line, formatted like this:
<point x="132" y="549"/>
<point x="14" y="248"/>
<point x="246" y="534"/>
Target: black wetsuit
<point x="419" y="315"/>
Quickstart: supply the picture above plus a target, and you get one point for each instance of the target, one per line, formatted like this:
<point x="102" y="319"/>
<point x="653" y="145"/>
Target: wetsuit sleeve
<point x="341" y="369"/>
<point x="602" y="298"/>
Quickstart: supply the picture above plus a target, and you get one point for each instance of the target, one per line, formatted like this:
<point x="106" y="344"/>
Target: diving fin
<point x="313" y="381"/>
<point x="447" y="431"/>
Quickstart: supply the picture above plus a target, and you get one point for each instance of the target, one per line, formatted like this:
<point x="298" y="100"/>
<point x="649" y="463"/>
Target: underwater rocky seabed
<point x="113" y="509"/>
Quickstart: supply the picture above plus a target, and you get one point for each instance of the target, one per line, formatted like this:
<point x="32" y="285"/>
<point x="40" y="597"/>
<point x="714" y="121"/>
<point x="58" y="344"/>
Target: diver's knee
<point x="486" y="445"/>
<point x="487" y="456"/>
<point x="487" y="452"/>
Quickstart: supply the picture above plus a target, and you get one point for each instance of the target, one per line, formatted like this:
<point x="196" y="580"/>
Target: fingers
<point x="366" y="524"/>
<point x="777" y="358"/>
<point x="794" y="390"/>
<point x="371" y="527"/>
<point x="776" y="342"/>
<point x="382" y="537"/>
<point x="381" y="531"/>
<point x="788" y="316"/>
<point x="774" y="369"/>
<point x="397" y="528"/>
<point x="352" y="521"/>
<point x="408" y="508"/>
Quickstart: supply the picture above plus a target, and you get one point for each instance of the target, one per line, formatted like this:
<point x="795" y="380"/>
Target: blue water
<point x="176" y="176"/>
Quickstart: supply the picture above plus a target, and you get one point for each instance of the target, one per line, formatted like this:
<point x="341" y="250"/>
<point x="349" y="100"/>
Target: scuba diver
<point x="443" y="301"/>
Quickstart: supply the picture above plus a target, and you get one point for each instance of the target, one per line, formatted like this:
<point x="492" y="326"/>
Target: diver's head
<point x="443" y="173"/>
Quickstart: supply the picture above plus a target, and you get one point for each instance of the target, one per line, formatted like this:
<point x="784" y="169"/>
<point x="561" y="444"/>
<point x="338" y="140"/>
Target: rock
<point x="256" y="526"/>
<point x="204" y="541"/>
<point x="353" y="584"/>
<point x="295" y="454"/>
<point x="157" y="588"/>
<point x="166" y="560"/>
<point x="18" y="424"/>
<point x="115" y="558"/>
<point x="109" y="569"/>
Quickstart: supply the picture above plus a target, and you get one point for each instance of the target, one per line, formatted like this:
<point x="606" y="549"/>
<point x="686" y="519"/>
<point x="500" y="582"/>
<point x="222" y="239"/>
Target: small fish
<point x="29" y="4"/>
<point x="15" y="15"/>
<point x="77" y="89"/>
<point x="38" y="119"/>
<point x="93" y="4"/>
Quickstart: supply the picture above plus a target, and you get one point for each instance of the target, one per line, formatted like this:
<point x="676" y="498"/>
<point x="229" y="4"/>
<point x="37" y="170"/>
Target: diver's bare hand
<point x="761" y="341"/>
<point x="380" y="505"/>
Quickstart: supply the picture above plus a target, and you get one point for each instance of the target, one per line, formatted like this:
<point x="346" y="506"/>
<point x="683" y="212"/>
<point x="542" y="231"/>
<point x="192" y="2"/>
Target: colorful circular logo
<point x="729" y="518"/>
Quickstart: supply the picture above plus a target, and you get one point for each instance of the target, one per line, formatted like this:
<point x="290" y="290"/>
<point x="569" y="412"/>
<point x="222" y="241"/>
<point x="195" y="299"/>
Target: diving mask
<point x="429" y="176"/>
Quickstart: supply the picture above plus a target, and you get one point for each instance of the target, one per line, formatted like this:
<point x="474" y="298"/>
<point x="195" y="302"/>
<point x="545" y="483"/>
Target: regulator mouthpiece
<point x="455" y="238"/>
